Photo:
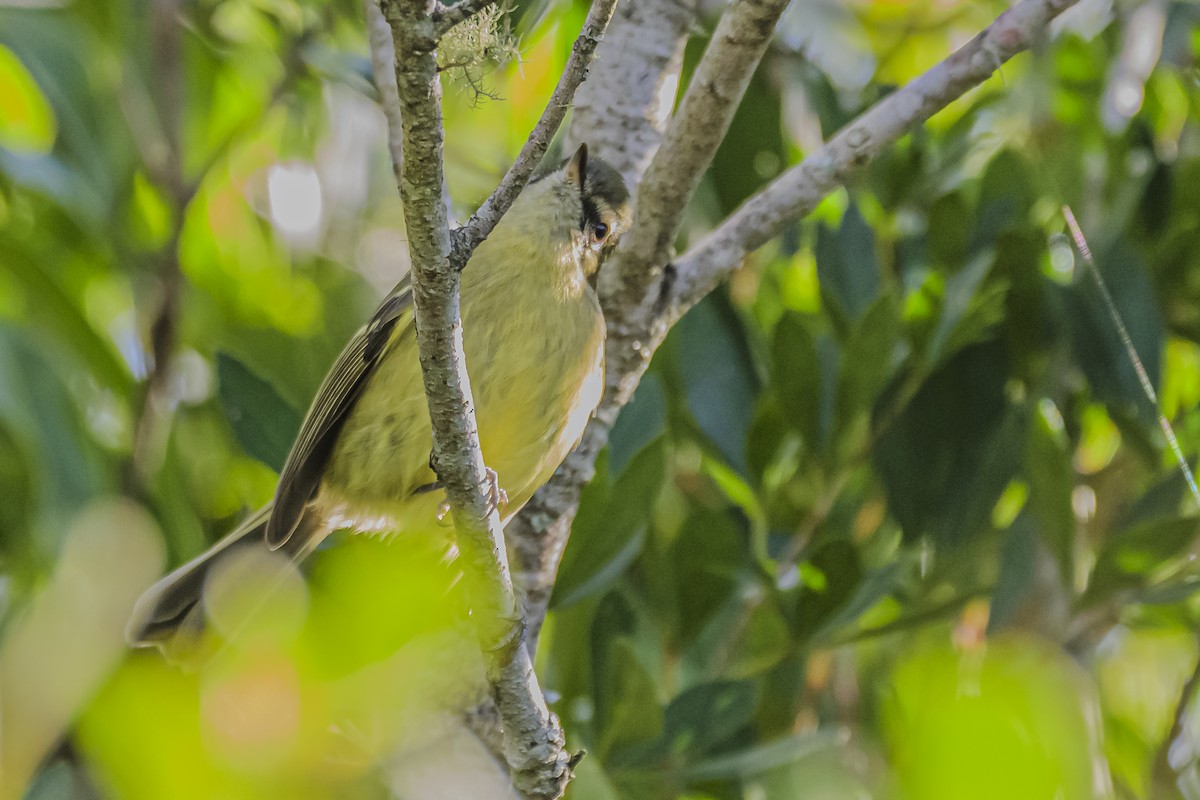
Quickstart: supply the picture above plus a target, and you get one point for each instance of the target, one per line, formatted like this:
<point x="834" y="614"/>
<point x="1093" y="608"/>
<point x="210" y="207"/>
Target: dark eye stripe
<point x="590" y="216"/>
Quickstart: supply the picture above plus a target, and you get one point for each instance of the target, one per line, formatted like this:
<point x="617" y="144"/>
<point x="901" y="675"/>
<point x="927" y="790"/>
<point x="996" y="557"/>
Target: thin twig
<point x="481" y="223"/>
<point x="446" y="17"/>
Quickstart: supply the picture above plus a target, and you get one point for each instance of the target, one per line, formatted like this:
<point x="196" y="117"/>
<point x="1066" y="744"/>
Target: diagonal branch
<point x="622" y="112"/>
<point x="797" y="191"/>
<point x="468" y="237"/>
<point x="640" y="311"/>
<point x="533" y="739"/>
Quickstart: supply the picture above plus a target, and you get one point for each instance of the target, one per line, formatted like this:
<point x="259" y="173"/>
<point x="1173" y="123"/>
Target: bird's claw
<point x="497" y="498"/>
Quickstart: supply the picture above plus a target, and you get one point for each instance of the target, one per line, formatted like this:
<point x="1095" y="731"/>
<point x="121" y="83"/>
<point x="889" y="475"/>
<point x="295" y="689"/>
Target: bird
<point x="533" y="338"/>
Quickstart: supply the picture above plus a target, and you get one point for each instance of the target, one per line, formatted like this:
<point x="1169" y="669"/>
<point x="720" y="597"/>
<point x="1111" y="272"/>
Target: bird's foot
<point x="497" y="498"/>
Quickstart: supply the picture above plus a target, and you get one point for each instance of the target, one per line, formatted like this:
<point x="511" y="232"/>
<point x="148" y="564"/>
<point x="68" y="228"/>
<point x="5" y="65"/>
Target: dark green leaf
<point x="265" y="424"/>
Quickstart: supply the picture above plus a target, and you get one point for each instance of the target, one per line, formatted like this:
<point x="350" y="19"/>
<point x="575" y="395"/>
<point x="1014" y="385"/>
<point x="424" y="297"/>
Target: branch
<point x="383" y="70"/>
<point x="446" y="17"/>
<point x="798" y="190"/>
<point x="1165" y="773"/>
<point x="688" y="145"/>
<point x="691" y="141"/>
<point x="622" y="112"/>
<point x="533" y="739"/>
<point x="468" y="237"/>
<point x="638" y="320"/>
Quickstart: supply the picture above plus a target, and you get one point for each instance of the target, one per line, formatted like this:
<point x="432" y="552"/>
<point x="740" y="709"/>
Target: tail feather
<point x="172" y="605"/>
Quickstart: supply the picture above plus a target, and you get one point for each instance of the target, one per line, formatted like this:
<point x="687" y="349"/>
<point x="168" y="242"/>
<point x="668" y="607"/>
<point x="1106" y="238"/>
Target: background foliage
<point x="890" y="516"/>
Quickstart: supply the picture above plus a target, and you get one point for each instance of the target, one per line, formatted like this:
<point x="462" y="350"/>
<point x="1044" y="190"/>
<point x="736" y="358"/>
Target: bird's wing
<point x="339" y="391"/>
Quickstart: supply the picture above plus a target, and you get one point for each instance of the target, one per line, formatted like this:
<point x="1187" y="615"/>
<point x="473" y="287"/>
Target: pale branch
<point x="798" y="190"/>
<point x="481" y="223"/>
<point x="383" y="71"/>
<point x="446" y="17"/>
<point x="621" y="112"/>
<point x="533" y="739"/>
<point x="691" y="141"/>
<point x="638" y="323"/>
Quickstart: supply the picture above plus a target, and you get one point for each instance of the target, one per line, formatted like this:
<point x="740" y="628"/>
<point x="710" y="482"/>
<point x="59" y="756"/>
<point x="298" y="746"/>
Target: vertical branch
<point x="622" y="113"/>
<point x="533" y="739"/>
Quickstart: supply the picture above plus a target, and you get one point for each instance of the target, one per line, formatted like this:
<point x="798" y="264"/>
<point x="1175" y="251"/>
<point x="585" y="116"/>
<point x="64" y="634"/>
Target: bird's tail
<point x="170" y="615"/>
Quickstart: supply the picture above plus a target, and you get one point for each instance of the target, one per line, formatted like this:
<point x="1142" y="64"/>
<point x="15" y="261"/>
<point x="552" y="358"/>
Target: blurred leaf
<point x="1006" y="195"/>
<point x="966" y="315"/>
<point x="65" y="467"/>
<point x="760" y="758"/>
<point x="868" y="360"/>
<point x="1051" y="481"/>
<point x="797" y="376"/>
<point x="951" y="452"/>
<point x="705" y="557"/>
<point x="1135" y="556"/>
<point x="1018" y="568"/>
<point x="847" y="265"/>
<point x="602" y="549"/>
<point x="640" y="422"/>
<point x="718" y="375"/>
<point x="838" y="564"/>
<point x="634" y="715"/>
<point x="1097" y="344"/>
<point x="695" y="723"/>
<point x="265" y="424"/>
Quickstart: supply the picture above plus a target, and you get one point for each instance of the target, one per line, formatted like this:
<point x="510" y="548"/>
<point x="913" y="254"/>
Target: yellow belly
<point x="535" y="386"/>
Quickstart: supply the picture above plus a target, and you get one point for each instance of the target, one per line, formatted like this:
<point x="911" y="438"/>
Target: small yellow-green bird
<point x="533" y="335"/>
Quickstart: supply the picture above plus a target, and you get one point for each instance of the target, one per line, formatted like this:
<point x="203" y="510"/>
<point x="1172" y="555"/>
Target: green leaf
<point x="1018" y="568"/>
<point x="840" y="571"/>
<point x="946" y="459"/>
<point x="847" y="266"/>
<point x="868" y="361"/>
<point x="603" y="545"/>
<point x="1136" y="556"/>
<point x="695" y="723"/>
<point x="965" y="317"/>
<point x="718" y="375"/>
<point x="634" y="715"/>
<point x="760" y="758"/>
<point x="640" y="422"/>
<point x="1051" y="480"/>
<point x="264" y="424"/>
<point x="1097" y="343"/>
<point x="797" y="376"/>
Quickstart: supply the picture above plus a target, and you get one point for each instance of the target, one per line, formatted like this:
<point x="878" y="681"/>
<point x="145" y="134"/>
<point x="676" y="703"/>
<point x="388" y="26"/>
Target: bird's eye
<point x="599" y="232"/>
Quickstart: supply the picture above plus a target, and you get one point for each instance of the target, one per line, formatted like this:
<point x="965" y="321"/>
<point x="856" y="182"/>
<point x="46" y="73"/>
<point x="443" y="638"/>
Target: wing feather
<point x="339" y="391"/>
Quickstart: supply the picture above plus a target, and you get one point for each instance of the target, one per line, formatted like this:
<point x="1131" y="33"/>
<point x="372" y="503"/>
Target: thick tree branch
<point x="468" y="237"/>
<point x="639" y="313"/>
<point x="798" y="190"/>
<point x="622" y="113"/>
<point x="533" y="739"/>
<point x="691" y="139"/>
